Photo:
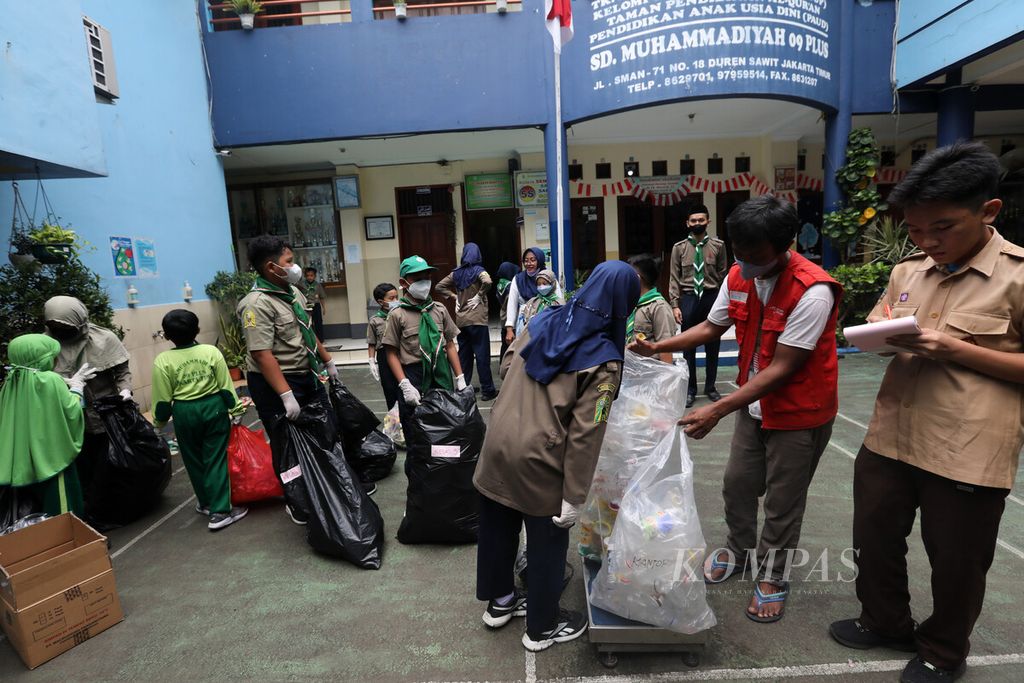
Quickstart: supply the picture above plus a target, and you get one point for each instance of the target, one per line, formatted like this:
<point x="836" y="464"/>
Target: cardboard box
<point x="56" y="588"/>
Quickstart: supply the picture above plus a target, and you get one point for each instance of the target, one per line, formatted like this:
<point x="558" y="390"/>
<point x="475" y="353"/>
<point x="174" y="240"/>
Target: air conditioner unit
<point x="101" y="59"/>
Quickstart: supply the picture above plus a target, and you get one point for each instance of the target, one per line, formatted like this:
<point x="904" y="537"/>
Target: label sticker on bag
<point x="291" y="475"/>
<point x="451" y="452"/>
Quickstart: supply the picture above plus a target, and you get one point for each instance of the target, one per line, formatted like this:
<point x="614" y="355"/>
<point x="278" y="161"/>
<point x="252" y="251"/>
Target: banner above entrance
<point x="630" y="53"/>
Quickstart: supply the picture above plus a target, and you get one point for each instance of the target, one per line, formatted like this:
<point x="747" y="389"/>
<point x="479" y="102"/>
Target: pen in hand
<point x="888" y="311"/>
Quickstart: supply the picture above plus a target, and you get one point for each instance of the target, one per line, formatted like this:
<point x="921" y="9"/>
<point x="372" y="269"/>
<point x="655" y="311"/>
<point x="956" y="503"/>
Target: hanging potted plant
<point x="400" y="9"/>
<point x="247" y="11"/>
<point x="20" y="253"/>
<point x="51" y="243"/>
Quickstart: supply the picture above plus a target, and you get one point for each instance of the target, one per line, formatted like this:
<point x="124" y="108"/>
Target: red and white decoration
<point x="687" y="185"/>
<point x="890" y="175"/>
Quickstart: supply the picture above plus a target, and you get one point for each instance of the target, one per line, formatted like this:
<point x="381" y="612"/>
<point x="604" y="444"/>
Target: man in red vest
<point x="784" y="309"/>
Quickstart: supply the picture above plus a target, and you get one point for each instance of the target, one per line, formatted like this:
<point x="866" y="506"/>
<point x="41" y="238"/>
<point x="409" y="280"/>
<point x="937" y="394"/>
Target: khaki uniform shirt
<point x="375" y="330"/>
<point x="543" y="441"/>
<point x="680" y="281"/>
<point x="655" y="321"/>
<point x="270" y="324"/>
<point x="940" y="416"/>
<point x="467" y="316"/>
<point x="402" y="331"/>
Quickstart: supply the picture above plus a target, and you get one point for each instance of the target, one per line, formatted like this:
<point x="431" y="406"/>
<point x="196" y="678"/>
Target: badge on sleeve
<point x="249" y="318"/>
<point x="603" y="407"/>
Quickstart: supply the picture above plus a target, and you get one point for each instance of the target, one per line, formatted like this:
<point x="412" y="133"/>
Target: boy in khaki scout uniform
<point x="468" y="285"/>
<point x="652" y="318"/>
<point x="560" y="377"/>
<point x="948" y="423"/>
<point x="386" y="296"/>
<point x="419" y="337"/>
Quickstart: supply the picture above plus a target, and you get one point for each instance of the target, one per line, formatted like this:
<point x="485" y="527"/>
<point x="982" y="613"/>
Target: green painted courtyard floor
<point x="254" y="603"/>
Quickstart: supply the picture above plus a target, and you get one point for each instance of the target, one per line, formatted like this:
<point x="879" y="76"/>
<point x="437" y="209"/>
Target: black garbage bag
<point x="286" y="463"/>
<point x="355" y="421"/>
<point x="15" y="503"/>
<point x="375" y="457"/>
<point x="443" y="443"/>
<point x="130" y="477"/>
<point x="344" y="522"/>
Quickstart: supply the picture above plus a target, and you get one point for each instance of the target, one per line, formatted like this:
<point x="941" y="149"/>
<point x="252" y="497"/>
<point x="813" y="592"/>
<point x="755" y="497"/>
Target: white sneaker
<point x="570" y="626"/>
<point x="219" y="520"/>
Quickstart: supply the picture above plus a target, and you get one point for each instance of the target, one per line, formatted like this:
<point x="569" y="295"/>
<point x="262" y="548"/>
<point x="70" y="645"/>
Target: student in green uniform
<point x="386" y="296"/>
<point x="652" y="318"/>
<point x="420" y="340"/>
<point x="191" y="385"/>
<point x="42" y="425"/>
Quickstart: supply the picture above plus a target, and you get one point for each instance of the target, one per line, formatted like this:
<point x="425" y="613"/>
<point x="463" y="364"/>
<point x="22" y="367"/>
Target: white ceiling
<point x="909" y="127"/>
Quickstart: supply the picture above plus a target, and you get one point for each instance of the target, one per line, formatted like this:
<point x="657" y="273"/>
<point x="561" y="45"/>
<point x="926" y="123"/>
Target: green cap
<point x="414" y="264"/>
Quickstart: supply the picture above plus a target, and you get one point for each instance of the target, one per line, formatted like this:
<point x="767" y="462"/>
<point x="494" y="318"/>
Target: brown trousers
<point x="959" y="523"/>
<point x="779" y="465"/>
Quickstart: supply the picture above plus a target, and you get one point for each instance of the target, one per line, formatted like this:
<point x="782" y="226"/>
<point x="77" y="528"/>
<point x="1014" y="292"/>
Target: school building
<point x="365" y="137"/>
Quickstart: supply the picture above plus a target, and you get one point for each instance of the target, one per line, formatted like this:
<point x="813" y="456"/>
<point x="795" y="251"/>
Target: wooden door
<point x="426" y="227"/>
<point x="725" y="202"/>
<point x="588" y="247"/>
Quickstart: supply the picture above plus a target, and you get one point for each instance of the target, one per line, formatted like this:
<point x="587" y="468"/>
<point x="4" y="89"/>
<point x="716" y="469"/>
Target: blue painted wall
<point x="47" y="107"/>
<point x="872" y="58"/>
<point x="164" y="181"/>
<point x="937" y="34"/>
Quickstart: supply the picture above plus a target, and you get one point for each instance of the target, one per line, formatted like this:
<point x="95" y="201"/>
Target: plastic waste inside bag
<point x="375" y="457"/>
<point x="393" y="426"/>
<point x="15" y="504"/>
<point x="344" y="522"/>
<point x="130" y="477"/>
<point x="651" y="400"/>
<point x="354" y="419"/>
<point x="251" y="467"/>
<point x="25" y="521"/>
<point x="653" y="572"/>
<point x="442" y="447"/>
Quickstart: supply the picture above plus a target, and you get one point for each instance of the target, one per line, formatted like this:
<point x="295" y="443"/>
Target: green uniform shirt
<point x="188" y="374"/>
<point x="269" y="324"/>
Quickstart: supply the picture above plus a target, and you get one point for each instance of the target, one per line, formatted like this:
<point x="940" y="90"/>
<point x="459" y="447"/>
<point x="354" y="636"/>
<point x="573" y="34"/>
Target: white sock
<point x="507" y="600"/>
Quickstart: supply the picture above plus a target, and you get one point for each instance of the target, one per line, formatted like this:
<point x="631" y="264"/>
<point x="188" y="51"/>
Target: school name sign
<point x="642" y="51"/>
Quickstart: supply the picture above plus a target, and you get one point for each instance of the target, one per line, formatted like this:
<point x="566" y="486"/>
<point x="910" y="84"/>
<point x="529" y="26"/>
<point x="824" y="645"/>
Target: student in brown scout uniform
<point x="419" y="337"/>
<point x="948" y="424"/>
<point x="560" y="377"/>
<point x="547" y="297"/>
<point x="468" y="285"/>
<point x="652" y="318"/>
<point x="386" y="296"/>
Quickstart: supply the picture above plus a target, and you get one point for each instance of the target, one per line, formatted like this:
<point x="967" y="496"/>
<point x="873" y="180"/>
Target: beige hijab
<point x="94" y="345"/>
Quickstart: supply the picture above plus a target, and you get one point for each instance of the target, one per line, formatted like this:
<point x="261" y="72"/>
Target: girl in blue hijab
<point x="539" y="455"/>
<point x="524" y="288"/>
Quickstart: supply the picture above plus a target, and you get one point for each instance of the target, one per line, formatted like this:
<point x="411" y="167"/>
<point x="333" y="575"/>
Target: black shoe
<point x="690" y="398"/>
<point x="851" y="633"/>
<point x="219" y="520"/>
<point x="497" y="616"/>
<point x="296" y="516"/>
<point x="205" y="511"/>
<point x="489" y="396"/>
<point x="920" y="671"/>
<point x="713" y="395"/>
<point x="369" y="487"/>
<point x="570" y="626"/>
<point x="476" y="390"/>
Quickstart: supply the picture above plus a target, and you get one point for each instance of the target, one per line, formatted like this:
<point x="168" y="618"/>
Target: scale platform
<point x="614" y="635"/>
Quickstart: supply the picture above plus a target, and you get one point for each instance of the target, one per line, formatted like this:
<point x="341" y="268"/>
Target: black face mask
<point x="699" y="229"/>
<point x="63" y="333"/>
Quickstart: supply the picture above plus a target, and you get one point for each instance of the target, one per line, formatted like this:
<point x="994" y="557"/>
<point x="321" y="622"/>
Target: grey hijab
<point x="94" y="345"/>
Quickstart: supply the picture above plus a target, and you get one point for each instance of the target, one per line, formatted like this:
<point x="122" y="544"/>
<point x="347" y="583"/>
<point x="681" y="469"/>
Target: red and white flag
<point x="559" y="22"/>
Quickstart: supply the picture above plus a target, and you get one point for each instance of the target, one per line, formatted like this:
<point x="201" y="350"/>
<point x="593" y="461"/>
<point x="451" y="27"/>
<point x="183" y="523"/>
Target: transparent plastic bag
<point x="653" y="571"/>
<point x="393" y="427"/>
<point x="651" y="400"/>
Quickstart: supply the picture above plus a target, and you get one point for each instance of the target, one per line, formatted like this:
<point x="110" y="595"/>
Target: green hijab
<point x="41" y="421"/>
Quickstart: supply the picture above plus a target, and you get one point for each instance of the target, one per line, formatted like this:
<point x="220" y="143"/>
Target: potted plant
<point x="21" y="250"/>
<point x="227" y="289"/>
<point x="502" y="6"/>
<point x="52" y="244"/>
<point x="232" y="345"/>
<point x="400" y="9"/>
<point x="247" y="11"/>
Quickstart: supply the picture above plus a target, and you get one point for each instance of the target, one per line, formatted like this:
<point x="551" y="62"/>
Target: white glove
<point x="460" y="382"/>
<point x="291" y="406"/>
<point x="126" y="394"/>
<point x="77" y="381"/>
<point x="374" y="370"/>
<point x="473" y="302"/>
<point x="332" y="369"/>
<point x="237" y="419"/>
<point x="570" y="513"/>
<point x="410" y="393"/>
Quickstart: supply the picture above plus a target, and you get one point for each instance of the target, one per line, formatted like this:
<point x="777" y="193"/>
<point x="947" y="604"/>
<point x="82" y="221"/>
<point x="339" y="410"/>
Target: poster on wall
<point x="145" y="257"/>
<point x="489" y="191"/>
<point x="785" y="178"/>
<point x="531" y="188"/>
<point x="123" y="254"/>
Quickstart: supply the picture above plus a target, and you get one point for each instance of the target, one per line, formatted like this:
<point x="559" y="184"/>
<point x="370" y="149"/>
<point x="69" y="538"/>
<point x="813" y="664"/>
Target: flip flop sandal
<point x="730" y="570"/>
<point x="763" y="599"/>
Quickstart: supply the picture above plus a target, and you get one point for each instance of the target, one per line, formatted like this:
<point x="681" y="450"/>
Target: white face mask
<point x="392" y="305"/>
<point x="421" y="289"/>
<point x="545" y="289"/>
<point x="749" y="271"/>
<point x="293" y="273"/>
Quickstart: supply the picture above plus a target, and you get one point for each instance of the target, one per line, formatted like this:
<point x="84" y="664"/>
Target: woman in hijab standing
<point x="42" y="425"/>
<point x="81" y="342"/>
<point x="507" y="272"/>
<point x="468" y="285"/>
<point x="524" y="288"/>
<point x="560" y="377"/>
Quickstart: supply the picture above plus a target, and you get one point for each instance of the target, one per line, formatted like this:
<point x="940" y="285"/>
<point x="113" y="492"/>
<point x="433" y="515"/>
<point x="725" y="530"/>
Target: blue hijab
<point x="526" y="283"/>
<point x="466" y="274"/>
<point x="587" y="331"/>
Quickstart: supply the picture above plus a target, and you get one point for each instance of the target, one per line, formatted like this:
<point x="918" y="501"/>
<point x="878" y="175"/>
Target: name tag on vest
<point x="738" y="296"/>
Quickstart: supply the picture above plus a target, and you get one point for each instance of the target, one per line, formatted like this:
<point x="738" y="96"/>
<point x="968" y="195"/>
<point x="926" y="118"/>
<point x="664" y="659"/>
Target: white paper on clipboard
<point x="871" y="337"/>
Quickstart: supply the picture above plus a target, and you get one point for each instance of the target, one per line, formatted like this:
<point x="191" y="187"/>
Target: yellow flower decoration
<point x="871" y="173"/>
<point x="862" y="220"/>
<point x="862" y="184"/>
<point x="869" y="212"/>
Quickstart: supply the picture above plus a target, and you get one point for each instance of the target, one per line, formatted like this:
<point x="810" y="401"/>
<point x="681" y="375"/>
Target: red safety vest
<point x="811" y="398"/>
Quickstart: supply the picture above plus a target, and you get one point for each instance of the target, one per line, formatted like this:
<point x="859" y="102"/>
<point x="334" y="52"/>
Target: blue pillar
<point x="561" y="234"/>
<point x="838" y="125"/>
<point x="362" y="11"/>
<point x="956" y="111"/>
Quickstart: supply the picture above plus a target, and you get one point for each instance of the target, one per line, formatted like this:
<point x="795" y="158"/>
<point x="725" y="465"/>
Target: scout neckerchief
<point x="382" y="312"/>
<point x="698" y="264"/>
<point x="503" y="286"/>
<point x="305" y="327"/>
<point x="651" y="295"/>
<point x="545" y="300"/>
<point x="434" y="361"/>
